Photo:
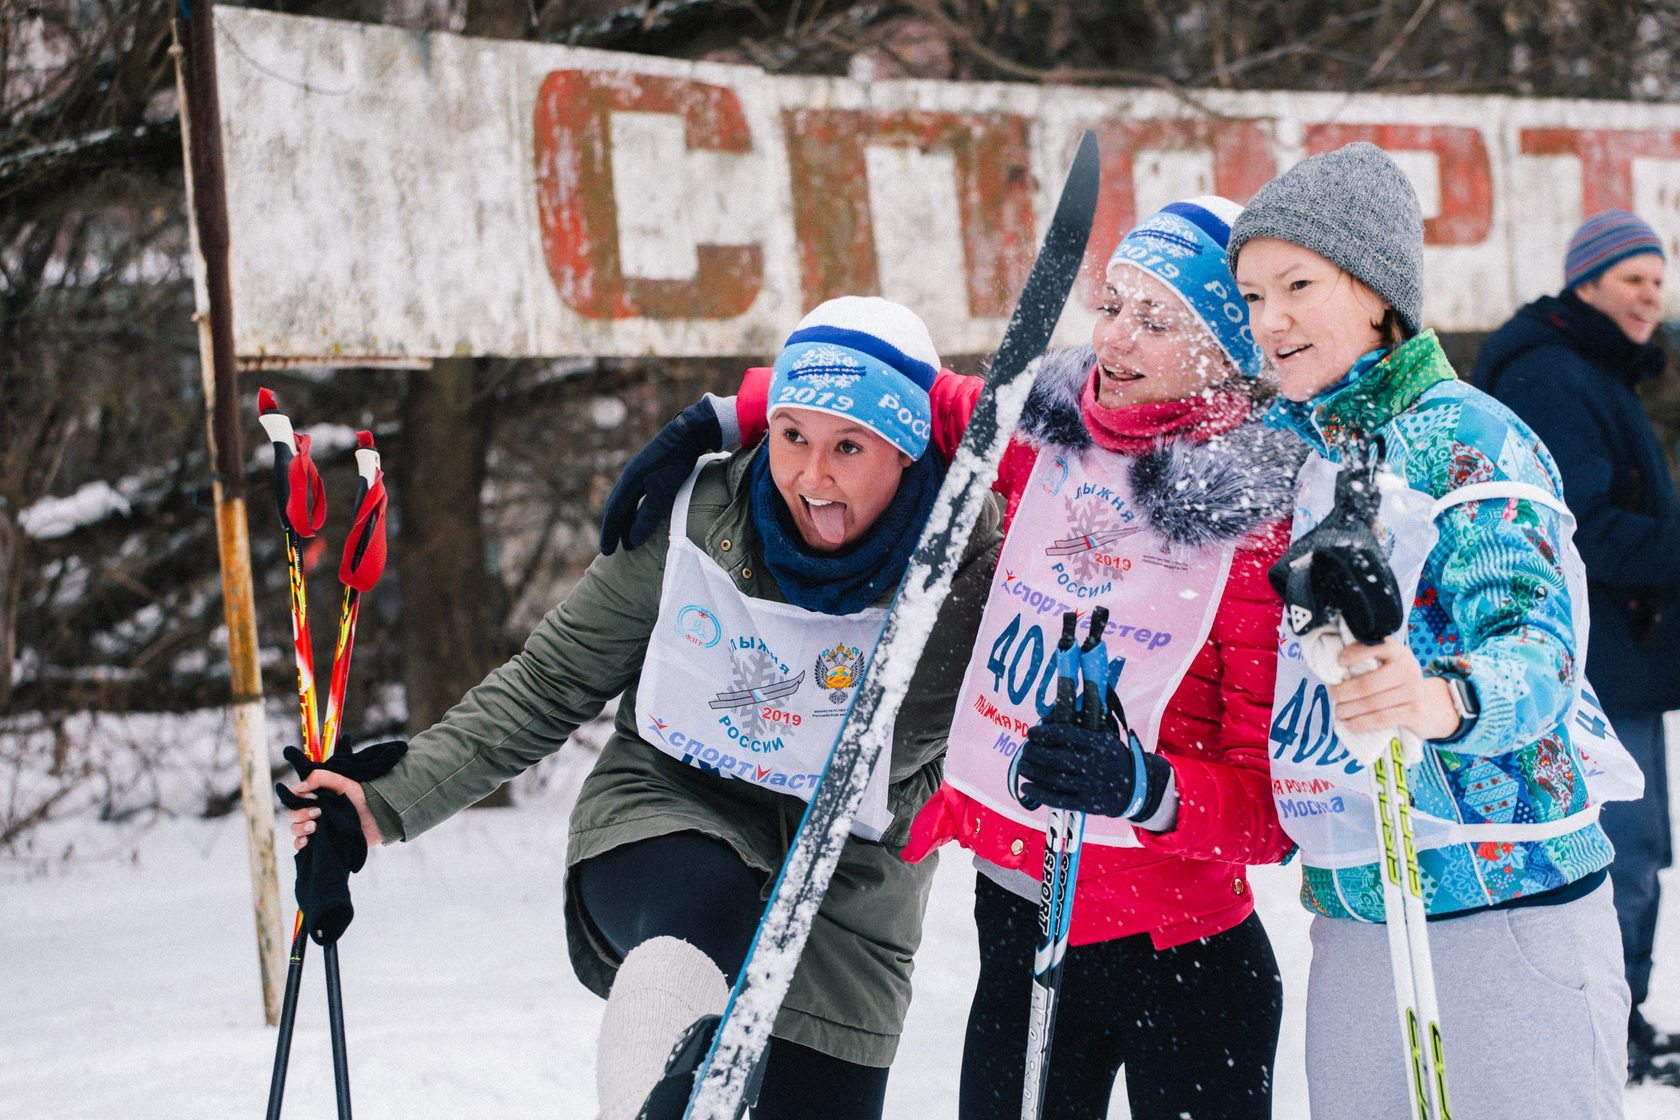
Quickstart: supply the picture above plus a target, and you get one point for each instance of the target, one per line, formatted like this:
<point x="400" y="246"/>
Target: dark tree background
<point x="498" y="468"/>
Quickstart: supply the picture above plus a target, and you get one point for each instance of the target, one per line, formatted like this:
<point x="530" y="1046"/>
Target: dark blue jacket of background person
<point x="1570" y="372"/>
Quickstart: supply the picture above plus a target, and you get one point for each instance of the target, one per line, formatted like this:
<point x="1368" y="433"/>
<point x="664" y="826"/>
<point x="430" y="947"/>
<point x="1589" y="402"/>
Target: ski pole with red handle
<point x="364" y="563"/>
<point x="300" y="498"/>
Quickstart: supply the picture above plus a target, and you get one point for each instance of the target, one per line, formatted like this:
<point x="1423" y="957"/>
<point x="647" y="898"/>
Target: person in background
<point x="1533" y="1006"/>
<point x="1568" y="365"/>
<point x="737" y="635"/>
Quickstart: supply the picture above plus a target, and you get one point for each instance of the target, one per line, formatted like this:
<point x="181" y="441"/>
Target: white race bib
<point x="753" y="689"/>
<point x="1079" y="540"/>
<point x="1322" y="794"/>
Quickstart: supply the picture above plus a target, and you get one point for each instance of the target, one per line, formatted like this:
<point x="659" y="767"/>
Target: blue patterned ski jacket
<point x="1492" y="604"/>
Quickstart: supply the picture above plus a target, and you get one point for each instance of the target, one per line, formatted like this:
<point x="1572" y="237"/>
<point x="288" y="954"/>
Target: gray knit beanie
<point x="1354" y="207"/>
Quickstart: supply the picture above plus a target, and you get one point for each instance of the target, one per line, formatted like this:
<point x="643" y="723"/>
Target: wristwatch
<point x="1464" y="702"/>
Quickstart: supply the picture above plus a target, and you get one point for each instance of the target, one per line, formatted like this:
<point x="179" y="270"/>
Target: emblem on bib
<point x="1058" y="474"/>
<point x="699" y="626"/>
<point x="838" y="670"/>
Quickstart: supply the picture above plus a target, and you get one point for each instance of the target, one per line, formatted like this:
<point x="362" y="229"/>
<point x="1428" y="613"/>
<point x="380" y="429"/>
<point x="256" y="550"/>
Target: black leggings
<point x="696" y="888"/>
<point x="1195" y="1026"/>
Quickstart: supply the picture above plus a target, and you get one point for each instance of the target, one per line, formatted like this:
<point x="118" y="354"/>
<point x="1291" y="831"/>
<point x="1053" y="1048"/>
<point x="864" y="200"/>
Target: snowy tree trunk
<point x="451" y="600"/>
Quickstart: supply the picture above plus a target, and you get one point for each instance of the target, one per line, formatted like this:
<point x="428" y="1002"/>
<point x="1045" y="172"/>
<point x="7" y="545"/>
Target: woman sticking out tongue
<point x="835" y="475"/>
<point x="736" y="635"/>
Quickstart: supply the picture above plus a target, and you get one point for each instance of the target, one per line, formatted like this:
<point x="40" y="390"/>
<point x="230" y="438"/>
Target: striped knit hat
<point x="1183" y="246"/>
<point x="1604" y="240"/>
<point x="863" y="357"/>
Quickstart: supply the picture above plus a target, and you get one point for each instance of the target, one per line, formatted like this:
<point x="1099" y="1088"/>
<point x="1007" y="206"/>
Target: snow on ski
<point x="722" y="1081"/>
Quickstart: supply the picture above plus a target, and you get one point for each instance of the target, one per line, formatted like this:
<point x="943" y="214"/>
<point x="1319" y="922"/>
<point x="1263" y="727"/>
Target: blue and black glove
<point x="645" y="492"/>
<point x="1092" y="771"/>
<point x="338" y="846"/>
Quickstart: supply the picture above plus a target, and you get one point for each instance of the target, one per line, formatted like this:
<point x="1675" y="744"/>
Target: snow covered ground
<point x="128" y="979"/>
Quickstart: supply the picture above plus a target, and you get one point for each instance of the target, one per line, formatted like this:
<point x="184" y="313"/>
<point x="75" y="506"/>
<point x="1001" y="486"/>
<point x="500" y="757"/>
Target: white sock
<point x="662" y="987"/>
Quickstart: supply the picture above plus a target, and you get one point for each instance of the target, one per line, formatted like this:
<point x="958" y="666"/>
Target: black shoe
<point x="669" y="1098"/>
<point x="1650" y="1040"/>
<point x="1659" y="1071"/>
<point x="1651" y="1055"/>
<point x="1639" y="1036"/>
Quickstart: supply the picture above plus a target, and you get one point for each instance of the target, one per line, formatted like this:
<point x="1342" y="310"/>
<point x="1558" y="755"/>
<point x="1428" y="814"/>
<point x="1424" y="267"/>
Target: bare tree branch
<point x="49" y="170"/>
<point x="647" y="21"/>
<point x="1398" y="41"/>
<point x="965" y="40"/>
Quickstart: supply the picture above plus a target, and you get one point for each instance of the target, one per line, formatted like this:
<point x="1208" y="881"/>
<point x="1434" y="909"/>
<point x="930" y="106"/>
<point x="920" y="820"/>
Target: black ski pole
<point x="335" y="1020"/>
<point x="300" y="499"/>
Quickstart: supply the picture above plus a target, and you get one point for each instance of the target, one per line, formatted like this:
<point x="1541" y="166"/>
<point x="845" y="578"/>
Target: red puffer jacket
<point x="1191" y="881"/>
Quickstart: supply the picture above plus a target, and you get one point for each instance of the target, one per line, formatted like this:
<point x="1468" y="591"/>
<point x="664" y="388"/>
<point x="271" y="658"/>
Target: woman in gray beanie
<point x="1485" y="672"/>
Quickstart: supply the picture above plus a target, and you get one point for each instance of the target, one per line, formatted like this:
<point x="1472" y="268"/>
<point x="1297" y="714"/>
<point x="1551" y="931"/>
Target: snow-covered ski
<point x="722" y="1080"/>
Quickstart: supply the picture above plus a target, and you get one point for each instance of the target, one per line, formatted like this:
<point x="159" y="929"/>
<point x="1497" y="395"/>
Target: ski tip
<point x="1087" y="146"/>
<point x="1084" y="178"/>
<point x="266" y="401"/>
<point x="363" y="439"/>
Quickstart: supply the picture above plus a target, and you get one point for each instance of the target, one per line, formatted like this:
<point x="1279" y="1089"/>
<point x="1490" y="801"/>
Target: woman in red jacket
<point x="1140" y="479"/>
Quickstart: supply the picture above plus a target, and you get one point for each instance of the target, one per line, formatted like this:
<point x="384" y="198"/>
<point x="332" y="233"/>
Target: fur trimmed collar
<point x="1193" y="493"/>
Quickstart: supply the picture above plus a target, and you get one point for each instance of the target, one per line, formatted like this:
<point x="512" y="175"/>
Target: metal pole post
<point x="201" y="140"/>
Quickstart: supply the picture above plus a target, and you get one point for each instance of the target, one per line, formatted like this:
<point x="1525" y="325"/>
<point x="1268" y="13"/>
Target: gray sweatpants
<point x="1534" y="1013"/>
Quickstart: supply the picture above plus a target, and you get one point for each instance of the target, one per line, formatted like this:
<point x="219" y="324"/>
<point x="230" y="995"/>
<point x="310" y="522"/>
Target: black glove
<point x="338" y="846"/>
<point x="645" y="492"/>
<point x="1337" y="569"/>
<point x="1072" y="767"/>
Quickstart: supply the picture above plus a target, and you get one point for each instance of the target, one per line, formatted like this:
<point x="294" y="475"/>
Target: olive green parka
<point x="852" y="988"/>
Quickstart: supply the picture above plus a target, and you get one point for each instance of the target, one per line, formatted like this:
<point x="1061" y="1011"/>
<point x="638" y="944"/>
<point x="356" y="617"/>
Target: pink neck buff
<point x="1137" y="428"/>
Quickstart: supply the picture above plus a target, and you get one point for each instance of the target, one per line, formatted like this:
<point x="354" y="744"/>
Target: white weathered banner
<point x="398" y="194"/>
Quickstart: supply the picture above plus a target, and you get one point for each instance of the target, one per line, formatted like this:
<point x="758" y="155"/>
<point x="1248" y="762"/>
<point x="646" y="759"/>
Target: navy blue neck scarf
<point x="846" y="581"/>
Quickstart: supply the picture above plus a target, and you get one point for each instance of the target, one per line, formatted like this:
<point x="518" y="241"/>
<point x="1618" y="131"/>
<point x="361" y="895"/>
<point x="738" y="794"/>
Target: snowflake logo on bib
<point x="1087" y="557"/>
<point x="756" y="680"/>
